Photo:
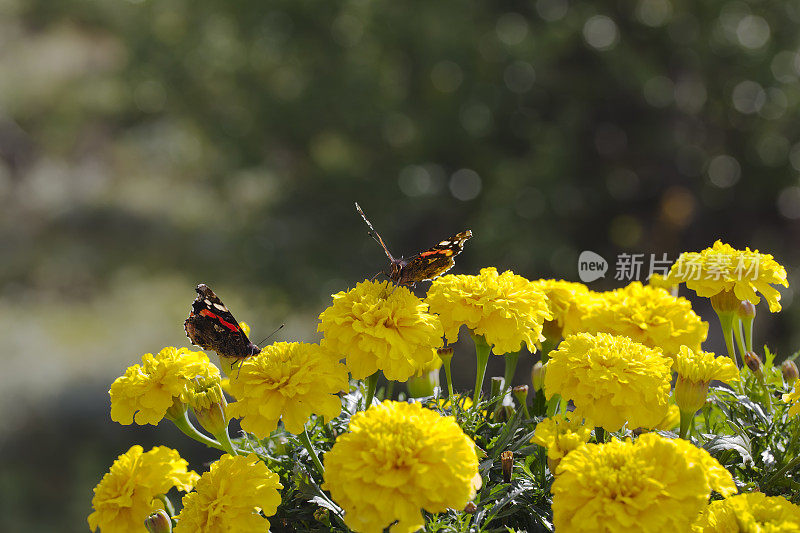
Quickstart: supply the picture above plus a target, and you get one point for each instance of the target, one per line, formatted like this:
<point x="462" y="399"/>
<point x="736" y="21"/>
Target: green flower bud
<point x="158" y="522"/>
<point x="789" y="371"/>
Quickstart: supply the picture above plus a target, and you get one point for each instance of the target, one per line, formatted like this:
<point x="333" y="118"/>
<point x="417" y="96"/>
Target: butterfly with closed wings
<point x="423" y="266"/>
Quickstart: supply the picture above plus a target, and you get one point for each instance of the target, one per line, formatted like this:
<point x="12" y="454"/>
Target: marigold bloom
<point x="227" y="498"/>
<point x="611" y="379"/>
<point x="793" y="398"/>
<point x="399" y="458"/>
<point x="652" y="485"/>
<point x="145" y="392"/>
<point x="723" y="268"/>
<point x="379" y="326"/>
<point x="288" y="380"/>
<point x="696" y="369"/>
<point x="506" y="309"/>
<point x="124" y="497"/>
<point x="561" y="435"/>
<point x="646" y="314"/>
<point x="565" y="300"/>
<point x="659" y="281"/>
<point x="754" y="512"/>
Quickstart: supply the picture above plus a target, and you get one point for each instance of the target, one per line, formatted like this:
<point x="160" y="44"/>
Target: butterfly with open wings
<point x="423" y="266"/>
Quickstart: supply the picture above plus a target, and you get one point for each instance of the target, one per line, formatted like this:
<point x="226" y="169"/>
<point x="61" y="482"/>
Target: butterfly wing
<point x="432" y="263"/>
<point x="211" y="326"/>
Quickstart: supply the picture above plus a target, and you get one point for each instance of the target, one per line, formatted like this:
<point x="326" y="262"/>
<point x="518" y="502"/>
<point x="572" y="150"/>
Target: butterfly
<point x="423" y="266"/>
<point x="212" y="327"/>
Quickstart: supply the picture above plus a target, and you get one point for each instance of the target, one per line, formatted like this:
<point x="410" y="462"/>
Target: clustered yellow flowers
<point x="506" y="309"/>
<point x="652" y="485"/>
<point x="378" y="326"/>
<point x="395" y="460"/>
<point x="610" y="379"/>
<point x="646" y="314"/>
<point x="128" y="493"/>
<point x="145" y="392"/>
<point x="754" y="512"/>
<point x="228" y="497"/>
<point x="399" y="458"/>
<point x="288" y="381"/>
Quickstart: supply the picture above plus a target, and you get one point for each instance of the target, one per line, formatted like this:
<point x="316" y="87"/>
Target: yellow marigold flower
<point x="399" y="458"/>
<point x="610" y="379"/>
<point x="125" y="496"/>
<point x="288" y="380"/>
<point x="561" y="435"/>
<point x="379" y="326"/>
<point x="505" y="308"/>
<point x="145" y="392"/>
<point x="696" y="369"/>
<point x="793" y="398"/>
<point x="564" y="299"/>
<point x="228" y="498"/>
<point x="648" y="315"/>
<point x="754" y="513"/>
<point x="723" y="268"/>
<point x="652" y="485"/>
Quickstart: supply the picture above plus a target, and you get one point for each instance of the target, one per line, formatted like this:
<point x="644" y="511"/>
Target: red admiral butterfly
<point x="426" y="265"/>
<point x="212" y="327"/>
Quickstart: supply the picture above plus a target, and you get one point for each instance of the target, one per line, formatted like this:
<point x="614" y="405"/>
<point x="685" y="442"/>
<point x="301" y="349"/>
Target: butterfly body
<point x="423" y="266"/>
<point x="211" y="326"/>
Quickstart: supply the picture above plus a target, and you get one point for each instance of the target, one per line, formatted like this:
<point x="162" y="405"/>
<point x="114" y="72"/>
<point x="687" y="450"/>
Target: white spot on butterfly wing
<point x="220" y="307"/>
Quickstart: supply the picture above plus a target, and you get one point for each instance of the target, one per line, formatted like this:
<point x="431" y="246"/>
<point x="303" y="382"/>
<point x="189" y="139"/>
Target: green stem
<point x="747" y="325"/>
<point x="306" y="440"/>
<point x="168" y="507"/>
<point x="789" y="466"/>
<point x="600" y="433"/>
<point x="686" y="421"/>
<point x="482" y="356"/>
<point x="511" y="360"/>
<point x="190" y="431"/>
<point x="225" y="441"/>
<point x="372" y="383"/>
<point x="737" y="330"/>
<point x="726" y="321"/>
<point x="449" y="375"/>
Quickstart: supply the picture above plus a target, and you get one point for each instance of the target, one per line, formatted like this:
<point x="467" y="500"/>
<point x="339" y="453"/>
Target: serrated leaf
<point x="737" y="443"/>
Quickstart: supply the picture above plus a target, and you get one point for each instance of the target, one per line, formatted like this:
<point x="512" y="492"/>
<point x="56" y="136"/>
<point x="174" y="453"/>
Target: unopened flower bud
<point x="520" y="392"/>
<point x="470" y="507"/>
<point x="790" y="372"/>
<point x="445" y="354"/>
<point x="690" y="395"/>
<point x="753" y="362"/>
<point x="537" y="376"/>
<point x="746" y="310"/>
<point x="209" y="404"/>
<point x="507" y="460"/>
<point x="158" y="522"/>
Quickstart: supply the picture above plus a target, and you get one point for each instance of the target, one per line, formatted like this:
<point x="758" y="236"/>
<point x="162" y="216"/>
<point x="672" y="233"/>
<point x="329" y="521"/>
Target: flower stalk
<point x="371" y="383"/>
<point x="482" y="357"/>
<point x="306" y="440"/>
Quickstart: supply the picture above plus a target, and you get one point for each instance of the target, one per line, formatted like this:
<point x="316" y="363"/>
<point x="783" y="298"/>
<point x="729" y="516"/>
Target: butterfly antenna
<point x="374" y="234"/>
<point x="271" y="334"/>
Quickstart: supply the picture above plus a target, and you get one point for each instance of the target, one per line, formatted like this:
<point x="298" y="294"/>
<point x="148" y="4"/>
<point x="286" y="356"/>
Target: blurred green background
<point x="148" y="145"/>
